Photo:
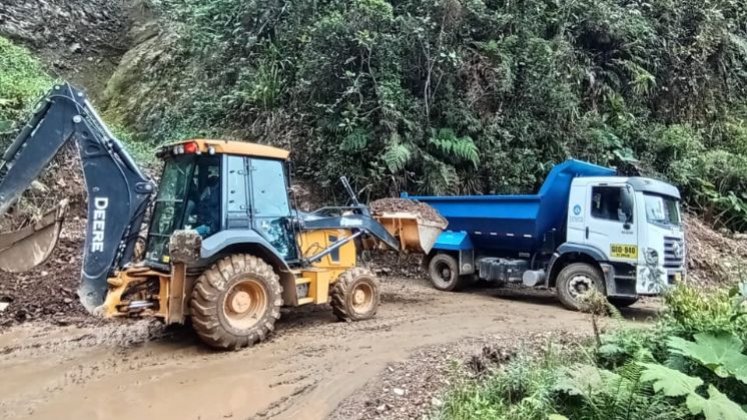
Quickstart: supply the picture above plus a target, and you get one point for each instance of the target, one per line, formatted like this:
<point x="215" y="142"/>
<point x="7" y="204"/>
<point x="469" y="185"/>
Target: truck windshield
<point x="662" y="210"/>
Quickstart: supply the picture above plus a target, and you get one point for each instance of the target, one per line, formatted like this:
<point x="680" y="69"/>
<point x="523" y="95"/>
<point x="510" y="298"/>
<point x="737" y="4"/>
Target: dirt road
<point x="310" y="365"/>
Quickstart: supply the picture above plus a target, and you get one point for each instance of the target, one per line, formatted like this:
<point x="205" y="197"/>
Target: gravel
<point x="397" y="205"/>
<point x="416" y="388"/>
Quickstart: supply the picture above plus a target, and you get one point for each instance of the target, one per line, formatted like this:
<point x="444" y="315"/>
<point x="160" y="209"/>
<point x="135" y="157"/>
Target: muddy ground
<point x="312" y="368"/>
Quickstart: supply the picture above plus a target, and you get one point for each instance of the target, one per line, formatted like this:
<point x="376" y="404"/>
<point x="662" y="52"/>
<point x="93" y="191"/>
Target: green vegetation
<point x="463" y="96"/>
<point x="22" y="81"/>
<point x="691" y="365"/>
<point x="446" y="96"/>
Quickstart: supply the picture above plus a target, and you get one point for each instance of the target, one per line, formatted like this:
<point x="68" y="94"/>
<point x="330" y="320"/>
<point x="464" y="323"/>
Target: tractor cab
<point x="210" y="185"/>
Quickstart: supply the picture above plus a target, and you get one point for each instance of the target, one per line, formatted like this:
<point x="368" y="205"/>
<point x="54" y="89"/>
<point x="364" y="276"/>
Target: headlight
<point x="652" y="257"/>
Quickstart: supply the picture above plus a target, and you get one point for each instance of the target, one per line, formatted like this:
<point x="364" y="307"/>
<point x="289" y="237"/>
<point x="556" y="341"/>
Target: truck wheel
<point x="576" y="280"/>
<point x="622" y="302"/>
<point x="355" y="295"/>
<point x="236" y="302"/>
<point x="444" y="272"/>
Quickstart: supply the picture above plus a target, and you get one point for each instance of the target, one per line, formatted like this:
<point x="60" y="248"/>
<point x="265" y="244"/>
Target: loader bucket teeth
<point x="30" y="246"/>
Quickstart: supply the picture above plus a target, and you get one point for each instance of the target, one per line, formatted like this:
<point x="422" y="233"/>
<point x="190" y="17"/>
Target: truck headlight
<point x="652" y="257"/>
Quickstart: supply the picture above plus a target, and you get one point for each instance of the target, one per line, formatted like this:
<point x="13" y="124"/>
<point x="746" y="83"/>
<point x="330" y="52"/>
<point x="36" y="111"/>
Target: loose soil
<point x="309" y="367"/>
<point x="80" y="41"/>
<point x="415" y="387"/>
<point x="397" y="205"/>
<point x="713" y="257"/>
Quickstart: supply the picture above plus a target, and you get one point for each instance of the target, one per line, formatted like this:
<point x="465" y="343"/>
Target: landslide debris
<point x="403" y="205"/>
<point x="714" y="257"/>
<point x="82" y="41"/>
<point x="46" y="293"/>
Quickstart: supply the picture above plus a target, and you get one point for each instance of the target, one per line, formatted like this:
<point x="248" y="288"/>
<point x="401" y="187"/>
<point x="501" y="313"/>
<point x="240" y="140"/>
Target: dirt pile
<point x="386" y="264"/>
<point x="403" y="205"/>
<point x="61" y="179"/>
<point x="714" y="257"/>
<point x="46" y="293"/>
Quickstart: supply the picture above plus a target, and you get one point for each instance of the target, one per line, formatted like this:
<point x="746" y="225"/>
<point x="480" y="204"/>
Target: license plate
<point x="624" y="251"/>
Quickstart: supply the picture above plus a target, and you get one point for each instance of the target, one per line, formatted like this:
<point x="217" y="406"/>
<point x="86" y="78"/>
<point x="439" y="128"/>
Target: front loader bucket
<point x="30" y="246"/>
<point x="414" y="233"/>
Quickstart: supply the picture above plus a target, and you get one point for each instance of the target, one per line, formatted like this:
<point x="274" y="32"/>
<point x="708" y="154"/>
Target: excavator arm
<point x="118" y="191"/>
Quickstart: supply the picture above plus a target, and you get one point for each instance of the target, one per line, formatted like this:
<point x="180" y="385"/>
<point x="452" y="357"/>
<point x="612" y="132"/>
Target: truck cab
<point x="585" y="229"/>
<point x="632" y="227"/>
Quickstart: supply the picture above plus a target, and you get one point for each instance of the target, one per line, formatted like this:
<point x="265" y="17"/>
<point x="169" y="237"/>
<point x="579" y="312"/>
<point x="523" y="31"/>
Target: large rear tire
<point x="236" y="302"/>
<point x="575" y="281"/>
<point x="443" y="270"/>
<point x="355" y="295"/>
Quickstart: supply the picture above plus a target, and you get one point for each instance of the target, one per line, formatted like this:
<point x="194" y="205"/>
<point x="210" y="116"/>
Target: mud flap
<point x="30" y="246"/>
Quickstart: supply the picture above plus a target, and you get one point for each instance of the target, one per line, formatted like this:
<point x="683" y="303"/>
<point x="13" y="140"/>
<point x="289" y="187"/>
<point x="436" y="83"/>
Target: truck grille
<point x="674" y="252"/>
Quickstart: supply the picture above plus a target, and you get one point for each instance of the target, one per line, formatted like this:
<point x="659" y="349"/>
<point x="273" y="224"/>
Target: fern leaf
<point x="396" y="156"/>
<point x="450" y="146"/>
<point x="356" y="141"/>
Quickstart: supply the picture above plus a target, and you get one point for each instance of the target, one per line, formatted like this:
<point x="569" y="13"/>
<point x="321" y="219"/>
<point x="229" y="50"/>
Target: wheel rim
<point x="443" y="272"/>
<point x="245" y="304"/>
<point x="362" y="298"/>
<point x="580" y="285"/>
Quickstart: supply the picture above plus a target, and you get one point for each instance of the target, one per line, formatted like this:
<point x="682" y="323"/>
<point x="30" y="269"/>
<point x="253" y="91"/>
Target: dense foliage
<point x="22" y="79"/>
<point x="444" y="96"/>
<point x="462" y="96"/>
<point x="692" y="364"/>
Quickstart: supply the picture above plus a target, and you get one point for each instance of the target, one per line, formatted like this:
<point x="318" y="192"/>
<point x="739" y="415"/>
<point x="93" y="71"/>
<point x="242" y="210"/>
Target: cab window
<point x="611" y="203"/>
<point x="269" y="192"/>
<point x="662" y="210"/>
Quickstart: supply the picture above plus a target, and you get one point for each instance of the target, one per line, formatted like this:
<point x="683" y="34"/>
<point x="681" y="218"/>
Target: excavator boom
<point x="118" y="191"/>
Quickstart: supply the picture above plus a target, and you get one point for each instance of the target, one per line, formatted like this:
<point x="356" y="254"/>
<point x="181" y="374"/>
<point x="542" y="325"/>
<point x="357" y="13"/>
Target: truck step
<point x="304" y="301"/>
<point x="302" y="280"/>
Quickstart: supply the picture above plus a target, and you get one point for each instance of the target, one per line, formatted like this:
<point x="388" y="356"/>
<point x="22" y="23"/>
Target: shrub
<point x="22" y="81"/>
<point x="690" y="365"/>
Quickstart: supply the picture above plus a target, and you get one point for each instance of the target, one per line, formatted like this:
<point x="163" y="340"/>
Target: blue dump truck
<point x="585" y="229"/>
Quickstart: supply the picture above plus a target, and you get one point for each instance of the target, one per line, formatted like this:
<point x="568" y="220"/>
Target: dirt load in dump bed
<point x="403" y="205"/>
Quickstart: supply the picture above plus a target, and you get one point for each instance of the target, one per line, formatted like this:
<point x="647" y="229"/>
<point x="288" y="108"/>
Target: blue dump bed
<point x="511" y="223"/>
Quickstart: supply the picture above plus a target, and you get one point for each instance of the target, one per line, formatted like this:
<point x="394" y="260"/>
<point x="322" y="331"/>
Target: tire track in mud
<point x="310" y="365"/>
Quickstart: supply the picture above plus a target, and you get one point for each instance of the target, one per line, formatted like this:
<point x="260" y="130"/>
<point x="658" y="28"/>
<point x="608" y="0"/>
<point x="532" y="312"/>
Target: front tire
<point x="575" y="281"/>
<point x="236" y="302"/>
<point x="443" y="270"/>
<point x="355" y="296"/>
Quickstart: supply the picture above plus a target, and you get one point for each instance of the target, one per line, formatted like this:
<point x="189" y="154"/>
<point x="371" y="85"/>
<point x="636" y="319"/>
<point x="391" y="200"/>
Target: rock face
<point x="81" y="41"/>
<point x="141" y="85"/>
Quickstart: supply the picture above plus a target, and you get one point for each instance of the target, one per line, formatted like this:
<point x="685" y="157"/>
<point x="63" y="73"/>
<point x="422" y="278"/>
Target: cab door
<point x="610" y="221"/>
<point x="270" y="208"/>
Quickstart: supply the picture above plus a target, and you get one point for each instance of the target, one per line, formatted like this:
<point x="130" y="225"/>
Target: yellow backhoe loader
<point x="225" y="247"/>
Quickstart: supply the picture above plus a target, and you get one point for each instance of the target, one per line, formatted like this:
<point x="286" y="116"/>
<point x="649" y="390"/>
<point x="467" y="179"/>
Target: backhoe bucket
<point x="414" y="233"/>
<point x="30" y="246"/>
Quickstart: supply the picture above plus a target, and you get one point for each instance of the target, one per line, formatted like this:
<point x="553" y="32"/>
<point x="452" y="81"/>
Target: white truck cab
<point x="636" y="225"/>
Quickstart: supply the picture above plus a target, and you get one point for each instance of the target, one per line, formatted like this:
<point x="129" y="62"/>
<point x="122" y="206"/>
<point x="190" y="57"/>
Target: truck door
<point x="610" y="221"/>
<point x="270" y="207"/>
